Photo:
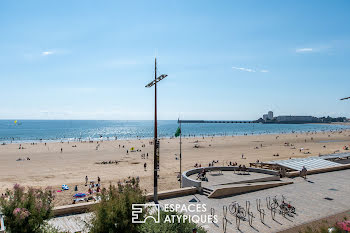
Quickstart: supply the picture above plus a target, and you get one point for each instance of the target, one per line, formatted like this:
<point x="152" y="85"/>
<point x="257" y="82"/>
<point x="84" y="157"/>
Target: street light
<point x="156" y="142"/>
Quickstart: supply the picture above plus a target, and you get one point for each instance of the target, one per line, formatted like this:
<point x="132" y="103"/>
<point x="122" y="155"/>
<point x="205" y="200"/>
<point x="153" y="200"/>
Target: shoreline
<point x="103" y="139"/>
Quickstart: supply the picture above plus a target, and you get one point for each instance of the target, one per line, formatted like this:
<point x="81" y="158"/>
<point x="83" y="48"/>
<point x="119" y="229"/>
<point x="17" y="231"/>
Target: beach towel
<point x="79" y="195"/>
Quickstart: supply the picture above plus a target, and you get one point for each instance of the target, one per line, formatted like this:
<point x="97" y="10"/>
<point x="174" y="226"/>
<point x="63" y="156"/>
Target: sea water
<point x="64" y="130"/>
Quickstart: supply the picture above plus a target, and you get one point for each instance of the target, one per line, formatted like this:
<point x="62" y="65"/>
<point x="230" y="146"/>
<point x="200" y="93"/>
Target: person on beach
<point x="145" y="166"/>
<point x="98" y="180"/>
<point x="61" y="149"/>
<point x="303" y="172"/>
<point x="203" y="173"/>
<point x="86" y="180"/>
<point x="147" y="155"/>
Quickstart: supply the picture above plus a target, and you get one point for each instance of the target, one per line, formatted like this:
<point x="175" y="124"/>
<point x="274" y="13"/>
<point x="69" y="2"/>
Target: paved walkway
<point x="215" y="179"/>
<point x="308" y="197"/>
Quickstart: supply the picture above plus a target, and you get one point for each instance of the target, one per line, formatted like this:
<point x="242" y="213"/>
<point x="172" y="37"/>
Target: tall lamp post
<point x="156" y="142"/>
<point x="180" y="158"/>
<point x="179" y="133"/>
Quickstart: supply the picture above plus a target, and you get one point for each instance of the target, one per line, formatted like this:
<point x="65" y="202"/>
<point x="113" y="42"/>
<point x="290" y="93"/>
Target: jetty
<point x="223" y="122"/>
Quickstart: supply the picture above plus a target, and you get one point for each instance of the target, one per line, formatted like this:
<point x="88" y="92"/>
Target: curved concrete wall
<point x="188" y="182"/>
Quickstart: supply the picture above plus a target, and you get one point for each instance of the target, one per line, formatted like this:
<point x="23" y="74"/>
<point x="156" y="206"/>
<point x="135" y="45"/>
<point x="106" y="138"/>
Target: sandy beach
<point x="48" y="166"/>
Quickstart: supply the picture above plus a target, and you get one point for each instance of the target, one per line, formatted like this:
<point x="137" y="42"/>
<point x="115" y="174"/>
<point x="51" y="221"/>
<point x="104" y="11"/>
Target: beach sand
<point x="49" y="167"/>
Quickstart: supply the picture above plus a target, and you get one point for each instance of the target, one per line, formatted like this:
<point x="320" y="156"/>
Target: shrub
<point x="26" y="211"/>
<point x="322" y="229"/>
<point x="151" y="226"/>
<point x="114" y="212"/>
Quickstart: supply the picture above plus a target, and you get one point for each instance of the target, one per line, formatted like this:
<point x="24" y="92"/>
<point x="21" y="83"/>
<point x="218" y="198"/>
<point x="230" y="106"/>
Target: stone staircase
<point x="206" y="191"/>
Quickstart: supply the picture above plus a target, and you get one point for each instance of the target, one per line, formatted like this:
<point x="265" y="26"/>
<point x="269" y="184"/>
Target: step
<point x="244" y="188"/>
<point x="206" y="191"/>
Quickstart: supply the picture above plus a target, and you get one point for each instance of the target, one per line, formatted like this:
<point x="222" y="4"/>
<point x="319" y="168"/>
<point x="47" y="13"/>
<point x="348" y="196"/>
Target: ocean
<point x="72" y="130"/>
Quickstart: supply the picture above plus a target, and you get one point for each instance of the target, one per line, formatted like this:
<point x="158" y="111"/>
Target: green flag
<point x="178" y="132"/>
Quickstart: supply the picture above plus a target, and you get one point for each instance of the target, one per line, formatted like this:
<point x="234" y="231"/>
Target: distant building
<point x="297" y="119"/>
<point x="269" y="118"/>
<point x="265" y="116"/>
<point x="270" y="115"/>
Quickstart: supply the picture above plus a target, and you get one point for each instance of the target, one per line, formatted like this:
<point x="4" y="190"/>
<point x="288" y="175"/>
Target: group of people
<point x="108" y="162"/>
<point x="93" y="185"/>
<point x="213" y="162"/>
<point x="242" y="168"/>
<point x="144" y="156"/>
<point x="23" y="159"/>
<point x="202" y="175"/>
<point x="87" y="180"/>
<point x="232" y="163"/>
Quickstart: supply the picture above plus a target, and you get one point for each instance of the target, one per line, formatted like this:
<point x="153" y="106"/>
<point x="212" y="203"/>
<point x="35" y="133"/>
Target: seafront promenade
<point x="317" y="197"/>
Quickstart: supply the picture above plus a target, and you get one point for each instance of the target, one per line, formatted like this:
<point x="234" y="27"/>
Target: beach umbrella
<point x="65" y="187"/>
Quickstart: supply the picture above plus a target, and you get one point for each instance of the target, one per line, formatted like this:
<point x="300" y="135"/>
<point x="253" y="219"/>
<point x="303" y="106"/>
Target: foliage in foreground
<point x="151" y="226"/>
<point x="323" y="229"/>
<point x="114" y="212"/>
<point x="26" y="211"/>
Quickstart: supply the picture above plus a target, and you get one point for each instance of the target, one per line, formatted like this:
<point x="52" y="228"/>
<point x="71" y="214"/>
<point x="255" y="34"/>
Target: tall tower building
<point x="270" y="115"/>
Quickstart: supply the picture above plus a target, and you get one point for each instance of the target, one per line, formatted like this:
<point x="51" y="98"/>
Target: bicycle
<point x="237" y="210"/>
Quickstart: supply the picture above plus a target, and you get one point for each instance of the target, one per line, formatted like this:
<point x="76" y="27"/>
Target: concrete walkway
<point x="308" y="197"/>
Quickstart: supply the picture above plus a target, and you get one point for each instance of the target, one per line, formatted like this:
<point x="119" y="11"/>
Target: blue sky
<point x="225" y="59"/>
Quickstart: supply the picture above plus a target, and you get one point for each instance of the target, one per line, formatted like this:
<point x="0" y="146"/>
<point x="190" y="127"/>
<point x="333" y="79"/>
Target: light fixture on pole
<point x="156" y="142"/>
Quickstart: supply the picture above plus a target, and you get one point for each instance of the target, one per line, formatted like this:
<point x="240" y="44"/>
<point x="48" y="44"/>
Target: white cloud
<point x="46" y="53"/>
<point x="304" y="50"/>
<point x="248" y="69"/>
<point x="243" y="69"/>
